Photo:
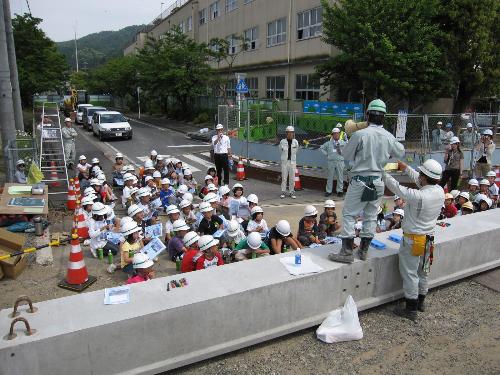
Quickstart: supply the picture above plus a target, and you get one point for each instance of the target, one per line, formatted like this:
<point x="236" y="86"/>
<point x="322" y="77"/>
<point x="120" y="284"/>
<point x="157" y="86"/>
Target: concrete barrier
<point x="226" y="308"/>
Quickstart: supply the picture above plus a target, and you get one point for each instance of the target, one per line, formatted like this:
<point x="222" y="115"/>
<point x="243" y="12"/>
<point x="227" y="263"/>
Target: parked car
<point x="204" y="135"/>
<point x="88" y="112"/>
<point x="111" y="124"/>
<point x="79" y="112"/>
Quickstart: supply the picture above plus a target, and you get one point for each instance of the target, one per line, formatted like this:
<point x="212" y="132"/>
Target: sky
<point x="88" y="16"/>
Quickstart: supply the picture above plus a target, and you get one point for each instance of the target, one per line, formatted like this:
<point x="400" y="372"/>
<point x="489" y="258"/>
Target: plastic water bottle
<point x="177" y="264"/>
<point x="298" y="258"/>
<point x="100" y="253"/>
<point x="231" y="164"/>
<point x="110" y="257"/>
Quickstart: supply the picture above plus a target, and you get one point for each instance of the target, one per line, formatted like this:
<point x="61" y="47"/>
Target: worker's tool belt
<point x="370" y="191"/>
<point x="423" y="245"/>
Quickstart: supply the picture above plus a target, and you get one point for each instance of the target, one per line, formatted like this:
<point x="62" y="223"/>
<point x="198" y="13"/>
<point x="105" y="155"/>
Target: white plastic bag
<point x="341" y="324"/>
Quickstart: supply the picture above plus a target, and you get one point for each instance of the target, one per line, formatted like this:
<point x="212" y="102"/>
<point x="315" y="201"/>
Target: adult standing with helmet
<point x="469" y="136"/>
<point x="288" y="149"/>
<point x="423" y="206"/>
<point x="333" y="152"/>
<point x="222" y="153"/>
<point x="454" y="160"/>
<point x="368" y="150"/>
<point x="486" y="148"/>
<point x="69" y="134"/>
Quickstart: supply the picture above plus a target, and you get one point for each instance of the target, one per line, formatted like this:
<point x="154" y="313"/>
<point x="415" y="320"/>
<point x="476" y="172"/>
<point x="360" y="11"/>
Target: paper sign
<point x="155" y="230"/>
<point x="21" y="189"/>
<point x="154" y="248"/>
<point x="117" y="295"/>
<point x="114" y="237"/>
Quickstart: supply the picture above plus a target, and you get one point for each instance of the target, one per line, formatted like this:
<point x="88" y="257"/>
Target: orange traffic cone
<point x="77" y="187"/>
<point x="297" y="184"/>
<point x="53" y="175"/>
<point x="77" y="277"/>
<point x="240" y="171"/>
<point x="497" y="179"/>
<point x="79" y="224"/>
<point x="71" y="203"/>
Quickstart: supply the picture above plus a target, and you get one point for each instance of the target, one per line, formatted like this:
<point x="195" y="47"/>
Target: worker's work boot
<point x="363" y="247"/>
<point x="345" y="254"/>
<point x="409" y="311"/>
<point x="421" y="303"/>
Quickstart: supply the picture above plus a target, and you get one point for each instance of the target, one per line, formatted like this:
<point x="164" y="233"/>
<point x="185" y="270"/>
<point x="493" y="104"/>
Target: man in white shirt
<point x="222" y="152"/>
<point x="333" y="152"/>
<point x="69" y="134"/>
<point x="288" y="149"/>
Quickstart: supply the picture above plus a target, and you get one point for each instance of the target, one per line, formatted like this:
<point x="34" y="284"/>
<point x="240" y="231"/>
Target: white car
<point x="79" y="112"/>
<point x="111" y="124"/>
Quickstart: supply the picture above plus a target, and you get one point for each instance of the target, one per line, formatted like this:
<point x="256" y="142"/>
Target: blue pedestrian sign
<point x="241" y="87"/>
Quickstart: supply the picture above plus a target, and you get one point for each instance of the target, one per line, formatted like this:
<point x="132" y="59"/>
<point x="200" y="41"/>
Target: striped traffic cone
<point x="79" y="224"/>
<point x="77" y="187"/>
<point x="77" y="277"/>
<point x="53" y="175"/>
<point x="497" y="179"/>
<point x="240" y="171"/>
<point x="71" y="203"/>
<point x="297" y="184"/>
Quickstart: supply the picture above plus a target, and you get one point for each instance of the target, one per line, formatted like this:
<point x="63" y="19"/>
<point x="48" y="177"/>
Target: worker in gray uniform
<point x="333" y="152"/>
<point x="69" y="134"/>
<point x="368" y="151"/>
<point x="422" y="209"/>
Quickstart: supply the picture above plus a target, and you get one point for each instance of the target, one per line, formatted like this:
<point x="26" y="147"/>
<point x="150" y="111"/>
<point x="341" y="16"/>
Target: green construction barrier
<point x="258" y="133"/>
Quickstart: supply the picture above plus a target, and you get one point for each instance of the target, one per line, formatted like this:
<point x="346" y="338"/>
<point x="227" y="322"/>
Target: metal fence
<point x="20" y="148"/>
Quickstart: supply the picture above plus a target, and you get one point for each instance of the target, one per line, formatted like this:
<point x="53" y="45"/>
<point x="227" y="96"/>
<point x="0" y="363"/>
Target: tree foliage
<point x="41" y="67"/>
<point x="117" y="77"/>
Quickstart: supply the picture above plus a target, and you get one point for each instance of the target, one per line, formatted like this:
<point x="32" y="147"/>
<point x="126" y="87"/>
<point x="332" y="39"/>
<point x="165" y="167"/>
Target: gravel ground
<point x="459" y="334"/>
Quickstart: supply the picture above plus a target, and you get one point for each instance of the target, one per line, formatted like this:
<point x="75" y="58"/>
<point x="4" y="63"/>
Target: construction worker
<point x="368" y="151"/>
<point x="288" y="149"/>
<point x="438" y="135"/>
<point x="69" y="134"/>
<point x="423" y="206"/>
<point x="486" y="149"/>
<point x="333" y="151"/>
<point x="343" y="135"/>
<point x="470" y="137"/>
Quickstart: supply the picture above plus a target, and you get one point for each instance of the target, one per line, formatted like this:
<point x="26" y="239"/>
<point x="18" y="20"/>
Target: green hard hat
<point x="377" y="105"/>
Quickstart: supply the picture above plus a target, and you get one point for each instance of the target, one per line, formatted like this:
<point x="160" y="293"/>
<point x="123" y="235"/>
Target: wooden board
<point x="5" y="209"/>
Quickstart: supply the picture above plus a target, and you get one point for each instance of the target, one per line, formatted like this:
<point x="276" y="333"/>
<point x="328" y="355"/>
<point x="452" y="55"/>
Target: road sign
<point x="241" y="87"/>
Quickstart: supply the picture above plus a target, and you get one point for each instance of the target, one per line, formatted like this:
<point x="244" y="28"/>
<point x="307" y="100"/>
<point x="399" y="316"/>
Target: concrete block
<point x="44" y="257"/>
<point x="226" y="308"/>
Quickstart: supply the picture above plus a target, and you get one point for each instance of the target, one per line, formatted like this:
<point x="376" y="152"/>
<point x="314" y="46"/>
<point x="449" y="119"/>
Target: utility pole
<point x="7" y="126"/>
<point x="76" y="52"/>
<point x="14" y="78"/>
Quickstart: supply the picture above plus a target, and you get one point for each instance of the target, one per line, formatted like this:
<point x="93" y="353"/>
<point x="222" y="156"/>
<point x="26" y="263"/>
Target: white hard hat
<point x="89" y="190"/>
<point x="254" y="240"/>
<point x="431" y="168"/>
<point x="484" y="181"/>
<point x="129" y="227"/>
<point x="491" y="174"/>
<point x="219" y="127"/>
<point x="153" y="153"/>
<point x="205" y="207"/>
<point x="488" y="132"/>
<point x="148" y="164"/>
<point x="210" y="198"/>
<point x="95" y="160"/>
<point x="225" y="190"/>
<point x="172" y="209"/>
<point x="465" y="195"/>
<point x="339" y="125"/>
<point x="237" y="185"/>
<point x="206" y="242"/>
<point x="118" y="155"/>
<point x="160" y="157"/>
<point x="128" y="168"/>
<point x="473" y="182"/>
<point x="184" y="203"/>
<point x="455" y="193"/>
<point x="290" y="128"/>
<point x="82" y="157"/>
<point x="232" y="227"/>
<point x="488" y="201"/>
<point x="187" y="172"/>
<point x="439" y="123"/>
<point x="128" y="177"/>
<point x="124" y="220"/>
<point x="143" y="192"/>
<point x="190" y="238"/>
<point x="67" y="119"/>
<point x="134" y="190"/>
<point x="283" y="227"/>
<point x="396" y="197"/>
<point x="99" y="209"/>
<point x="188" y="197"/>
<point x="148" y="178"/>
<point x="480" y="197"/>
<point x="329" y="204"/>
<point x="399" y="211"/>
<point x="209" y="177"/>
<point x="96" y="170"/>
<point x="165" y="181"/>
<point x="256" y="210"/>
<point x="95" y="181"/>
<point x="180" y="225"/>
<point x="251" y="198"/>
<point x="141" y="261"/>
<point x="101" y="177"/>
<point x="20" y="162"/>
<point x="335" y="130"/>
<point x="182" y="189"/>
<point x="87" y="200"/>
<point x="134" y="210"/>
<point x="156" y="174"/>
<point x="454" y="140"/>
<point x="211" y="187"/>
<point x="310" y="210"/>
<point x="469" y="125"/>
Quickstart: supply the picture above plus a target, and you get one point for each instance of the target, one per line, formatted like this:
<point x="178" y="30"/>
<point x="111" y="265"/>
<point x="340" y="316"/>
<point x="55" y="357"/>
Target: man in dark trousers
<point x="222" y="153"/>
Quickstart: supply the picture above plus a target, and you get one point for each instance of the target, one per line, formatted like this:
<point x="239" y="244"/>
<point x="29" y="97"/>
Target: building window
<point x="253" y="87"/>
<point x="214" y="10"/>
<point x="309" y="23"/>
<point x="202" y="15"/>
<point x="252" y="38"/>
<point x="231" y="5"/>
<point x="276" y="32"/>
<point x="247" y="1"/>
<point x="231" y="88"/>
<point x="182" y="26"/>
<point x="232" y="46"/>
<point x="307" y="87"/>
<point x="275" y="87"/>
<point x="189" y="23"/>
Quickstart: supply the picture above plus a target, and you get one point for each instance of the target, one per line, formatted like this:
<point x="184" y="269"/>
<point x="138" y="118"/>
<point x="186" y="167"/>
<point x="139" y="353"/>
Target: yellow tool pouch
<point x="418" y="247"/>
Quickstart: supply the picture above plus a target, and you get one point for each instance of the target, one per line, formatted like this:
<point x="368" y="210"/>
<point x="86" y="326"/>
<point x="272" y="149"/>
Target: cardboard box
<point x="9" y="243"/>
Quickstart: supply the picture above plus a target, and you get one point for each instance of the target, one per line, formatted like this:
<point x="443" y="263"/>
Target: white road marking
<point x="203" y="145"/>
<point x="198" y="160"/>
<point x="206" y="154"/>
<point x="184" y="164"/>
<point x="125" y="156"/>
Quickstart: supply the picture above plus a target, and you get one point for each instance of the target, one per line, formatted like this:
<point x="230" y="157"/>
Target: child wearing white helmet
<point x="225" y="200"/>
<point x="83" y="171"/>
<point x="399" y="203"/>
<point x="251" y="247"/>
<point x="209" y="179"/>
<point x="210" y="222"/>
<point x="20" y="175"/>
<point x="98" y="228"/>
<point x="150" y="215"/>
<point x="118" y="167"/>
<point x="397" y="217"/>
<point x="189" y="180"/>
<point x="279" y="237"/>
<point x="211" y="256"/>
<point x="132" y="245"/>
<point x="213" y="172"/>
<point x="491" y="176"/>
<point x="87" y="203"/>
<point x="179" y="168"/>
<point x="167" y="193"/>
<point x="463" y="198"/>
<point x="157" y="179"/>
<point x="233" y="235"/>
<point x="239" y="204"/>
<point x="187" y="213"/>
<point x="192" y="253"/>
<point x="482" y="203"/>
<point x="176" y="248"/>
<point x="473" y="189"/>
<point x="128" y="182"/>
<point x="484" y="185"/>
<point x="308" y="233"/>
<point x="257" y="223"/>
<point x="143" y="266"/>
<point x="328" y="223"/>
<point x="173" y="214"/>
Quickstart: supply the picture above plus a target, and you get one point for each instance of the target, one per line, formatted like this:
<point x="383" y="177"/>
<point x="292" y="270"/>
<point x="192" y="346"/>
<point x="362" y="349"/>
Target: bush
<point x="202" y="118"/>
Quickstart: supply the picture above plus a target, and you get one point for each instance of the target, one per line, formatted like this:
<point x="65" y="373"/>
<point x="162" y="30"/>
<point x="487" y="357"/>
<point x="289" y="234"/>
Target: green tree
<point x="41" y="67"/>
<point x="79" y="80"/>
<point x="387" y="48"/>
<point x="117" y="77"/>
<point x="471" y="41"/>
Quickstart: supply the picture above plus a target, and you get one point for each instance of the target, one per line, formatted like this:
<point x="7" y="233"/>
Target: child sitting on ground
<point x="449" y="210"/>
<point x="493" y="188"/>
<point x="395" y="221"/>
<point x="213" y="172"/>
<point x="482" y="203"/>
<point x="473" y="189"/>
<point x="174" y="179"/>
<point x="257" y="223"/>
<point x="167" y="193"/>
<point x="204" y="190"/>
<point x="484" y="187"/>
<point x="225" y="201"/>
<point x="251" y="247"/>
<point x="308" y="233"/>
<point x="210" y="222"/>
<point x="187" y="213"/>
<point x="279" y="237"/>
<point x="20" y="175"/>
<point x="328" y="223"/>
<point x="189" y="181"/>
<point x="143" y="266"/>
<point x="176" y="248"/>
<point x="232" y="236"/>
<point x="211" y="256"/>
<point x="173" y="214"/>
<point x="467" y="208"/>
<point x="192" y="253"/>
<point x="132" y="245"/>
<point x="463" y="198"/>
<point x="98" y="229"/>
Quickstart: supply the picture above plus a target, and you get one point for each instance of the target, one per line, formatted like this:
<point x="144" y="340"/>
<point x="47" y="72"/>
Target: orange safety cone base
<point x="297" y="183"/>
<point x="240" y="171"/>
<point x="77" y="287"/>
<point x="53" y="175"/>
